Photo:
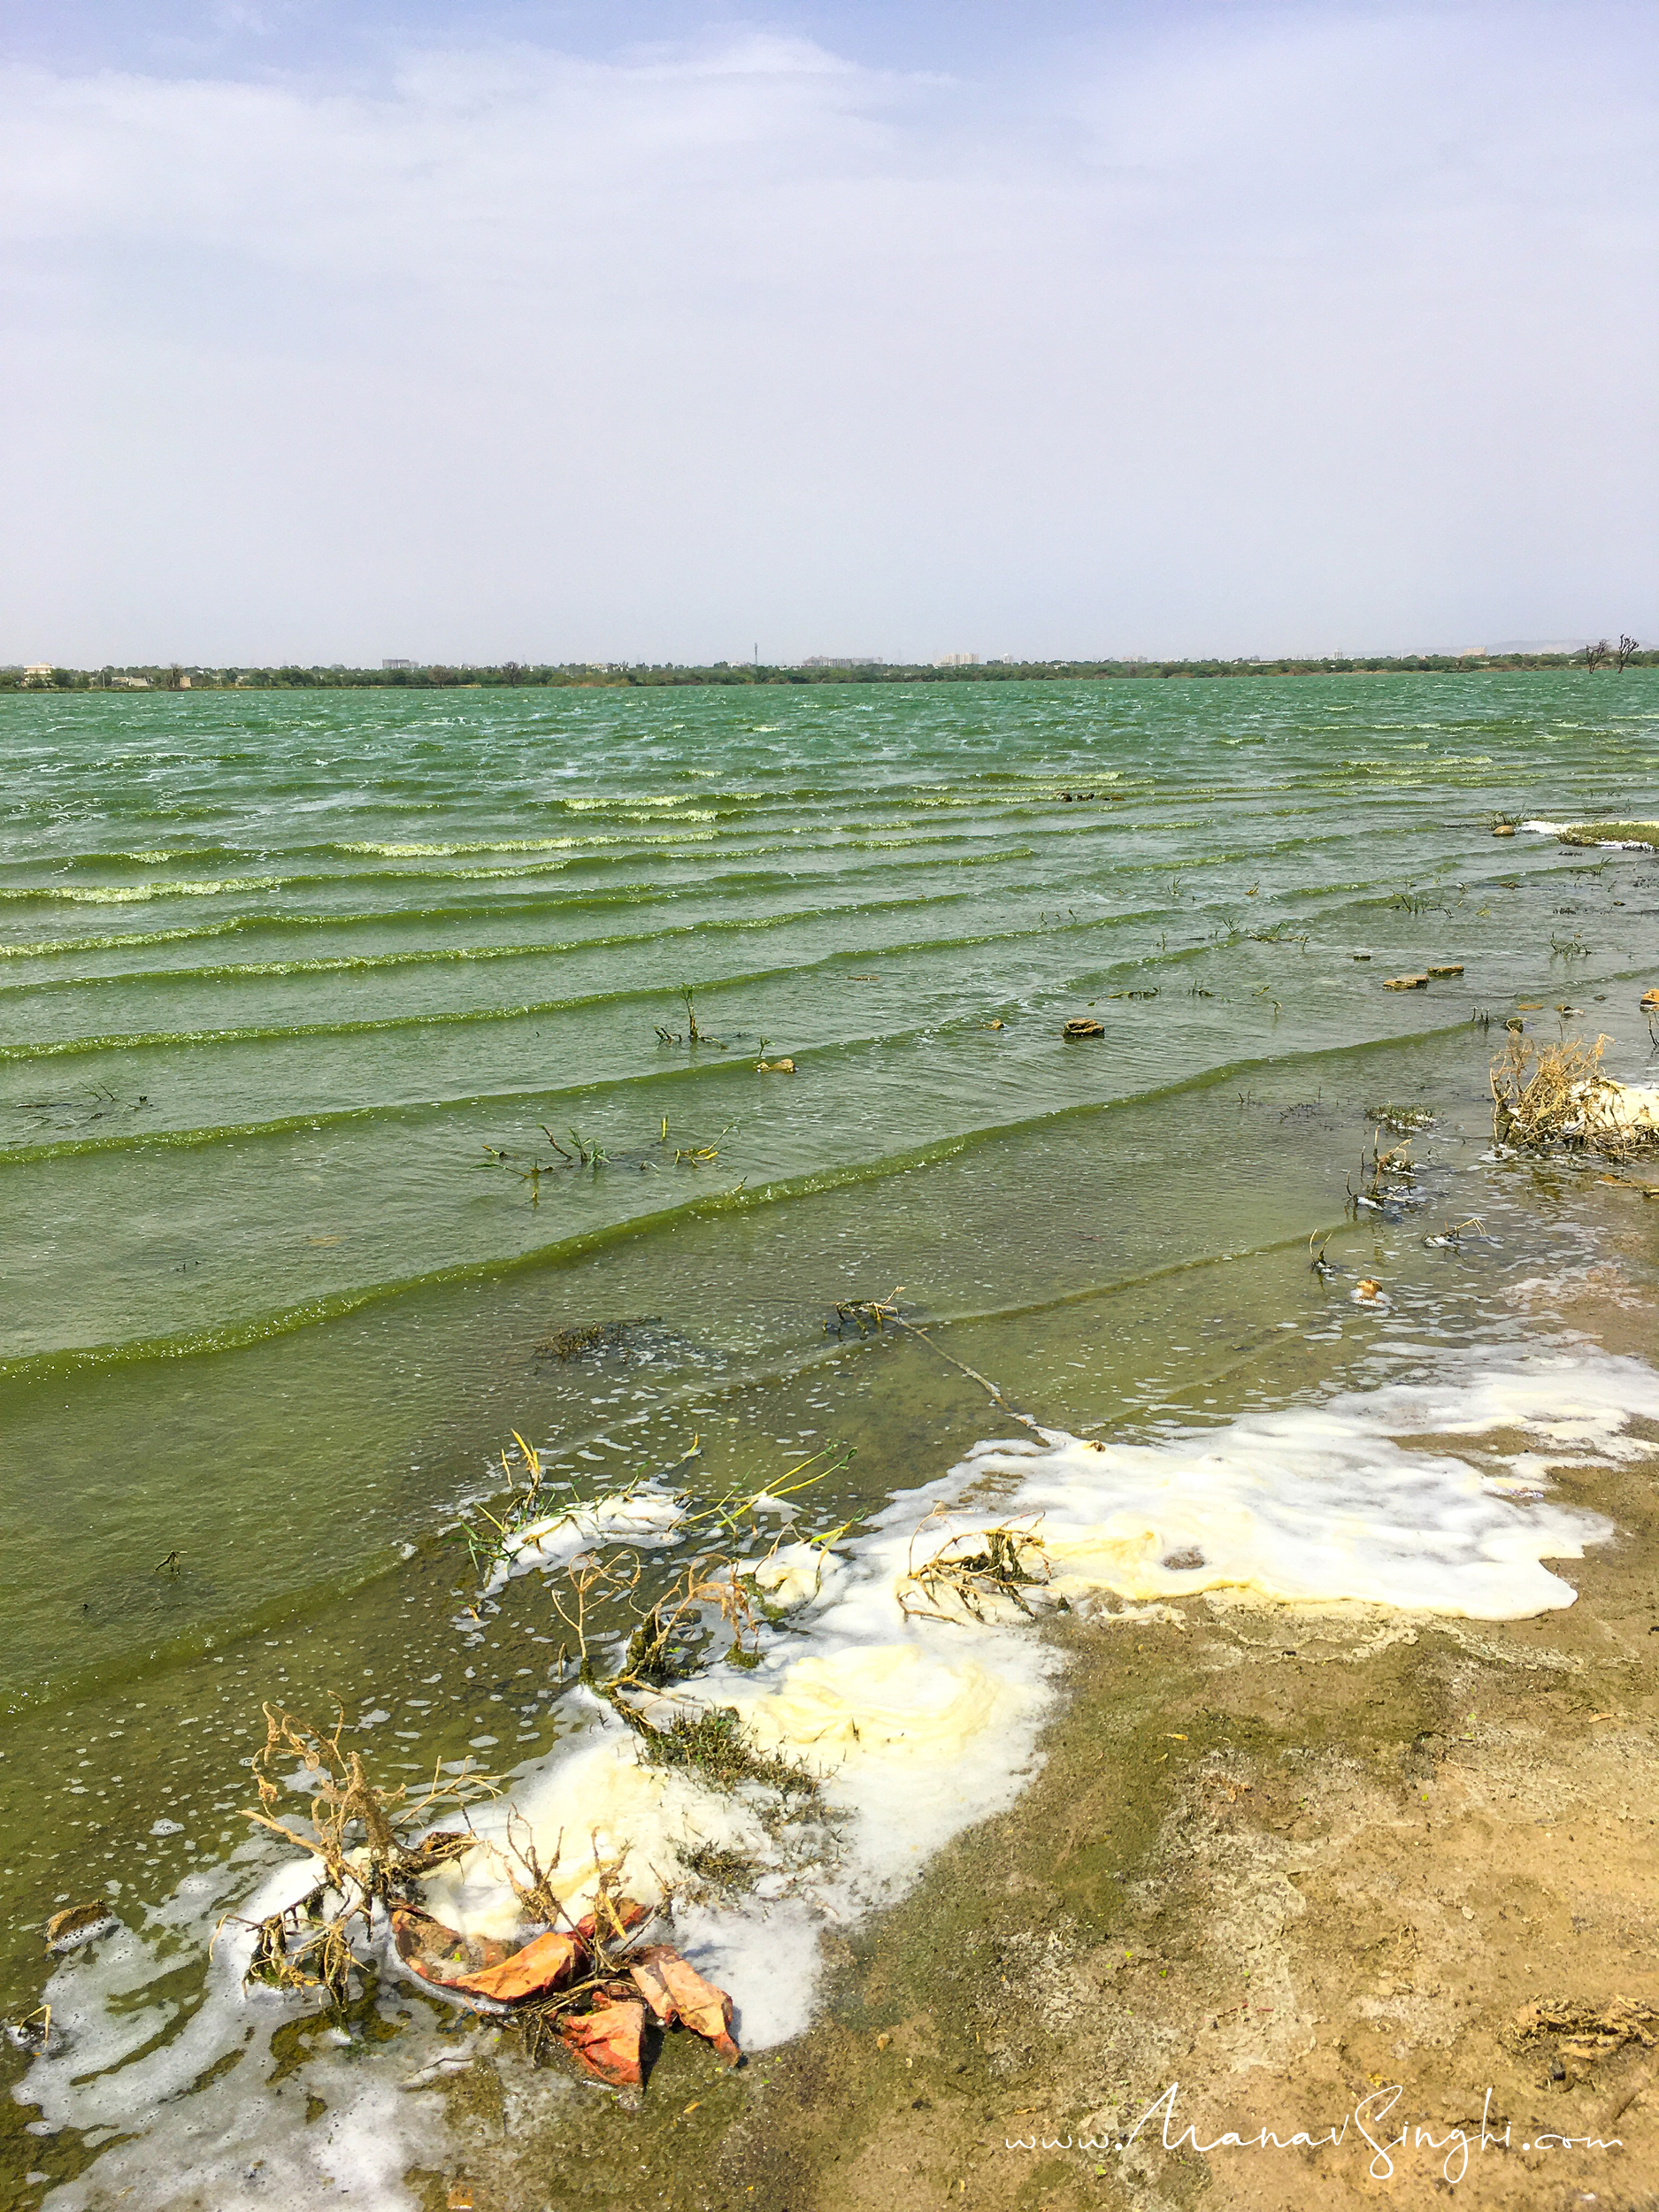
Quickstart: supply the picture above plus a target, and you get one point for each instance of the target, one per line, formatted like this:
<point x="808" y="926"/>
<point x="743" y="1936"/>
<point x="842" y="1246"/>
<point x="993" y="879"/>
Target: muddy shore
<point x="1311" y="1865"/>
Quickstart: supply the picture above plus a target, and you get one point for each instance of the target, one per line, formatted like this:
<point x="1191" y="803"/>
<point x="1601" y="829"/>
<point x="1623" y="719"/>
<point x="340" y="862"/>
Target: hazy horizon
<point x="551" y="333"/>
<point x="417" y="664"/>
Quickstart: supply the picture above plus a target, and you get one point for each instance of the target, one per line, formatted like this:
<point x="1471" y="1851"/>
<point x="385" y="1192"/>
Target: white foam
<point x="645" y="1517"/>
<point x="918" y="1726"/>
<point x="1336" y="1501"/>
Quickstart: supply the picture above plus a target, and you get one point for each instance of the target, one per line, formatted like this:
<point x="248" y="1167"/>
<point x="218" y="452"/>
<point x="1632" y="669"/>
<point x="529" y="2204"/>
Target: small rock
<point x="1448" y="967"/>
<point x="1405" y="983"/>
<point x="1083" y="1026"/>
<point x="1504" y="829"/>
<point x="1649" y="1002"/>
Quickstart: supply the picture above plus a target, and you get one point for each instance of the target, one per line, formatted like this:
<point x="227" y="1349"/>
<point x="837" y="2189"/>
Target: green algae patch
<point x="1611" y="834"/>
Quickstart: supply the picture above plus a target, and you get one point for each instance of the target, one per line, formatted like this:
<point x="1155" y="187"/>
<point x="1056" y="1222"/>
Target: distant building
<point x="397" y="663"/>
<point x="38" y="671"/>
<point x="957" y="660"/>
<point x="843" y="660"/>
<point x="131" y="683"/>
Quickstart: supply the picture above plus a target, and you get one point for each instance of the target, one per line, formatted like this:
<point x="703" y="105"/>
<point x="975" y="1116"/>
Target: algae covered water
<point x="354" y="1118"/>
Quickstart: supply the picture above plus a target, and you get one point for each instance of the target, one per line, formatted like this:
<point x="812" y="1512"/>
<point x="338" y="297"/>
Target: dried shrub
<point x="993" y="1563"/>
<point x="361" y="1834"/>
<point x="1546" y="1096"/>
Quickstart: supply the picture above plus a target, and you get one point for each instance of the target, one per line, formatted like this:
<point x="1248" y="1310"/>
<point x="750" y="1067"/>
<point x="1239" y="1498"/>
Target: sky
<point x="337" y="329"/>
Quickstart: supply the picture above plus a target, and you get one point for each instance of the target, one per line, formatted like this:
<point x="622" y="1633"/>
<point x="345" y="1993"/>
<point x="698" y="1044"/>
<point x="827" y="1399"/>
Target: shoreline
<point x="1217" y="1765"/>
<point x="1291" y="1858"/>
<point x="144" y="676"/>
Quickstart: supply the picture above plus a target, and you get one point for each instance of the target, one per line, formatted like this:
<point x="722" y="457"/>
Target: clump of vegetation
<point x="1612" y="834"/>
<point x="620" y="1338"/>
<point x="718" y="1867"/>
<point x="585" y="1155"/>
<point x="362" y="1836"/>
<point x="1552" y="1096"/>
<point x="863" y="1317"/>
<point x="993" y="1563"/>
<point x="715" y="1745"/>
<point x="1404" y="1121"/>
<point x="663" y="1647"/>
<point x="606" y="1601"/>
<point x="504" y="1533"/>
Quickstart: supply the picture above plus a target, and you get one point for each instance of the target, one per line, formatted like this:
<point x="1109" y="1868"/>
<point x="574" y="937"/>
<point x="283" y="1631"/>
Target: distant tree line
<point x="660" y="675"/>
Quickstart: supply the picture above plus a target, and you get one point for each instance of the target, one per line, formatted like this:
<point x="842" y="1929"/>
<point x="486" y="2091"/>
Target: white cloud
<point x="1316" y="328"/>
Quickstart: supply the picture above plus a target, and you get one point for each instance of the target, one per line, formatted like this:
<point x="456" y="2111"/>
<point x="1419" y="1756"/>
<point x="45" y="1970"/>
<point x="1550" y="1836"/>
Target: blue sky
<point x="563" y="331"/>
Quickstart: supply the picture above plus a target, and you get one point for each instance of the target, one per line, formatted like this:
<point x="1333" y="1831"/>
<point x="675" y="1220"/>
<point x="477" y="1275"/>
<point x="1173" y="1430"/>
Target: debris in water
<point x="439" y="1955"/>
<point x="675" y="1990"/>
<point x="571" y="1986"/>
<point x="608" y="2042"/>
<point x="1503" y="829"/>
<point x="362" y="1837"/>
<point x="622" y="1338"/>
<point x="1405" y="982"/>
<point x="1370" y="1293"/>
<point x="1649" y="1002"/>
<point x="80" y="1924"/>
<point x="1452" y="1240"/>
<point x="774" y="1067"/>
<point x="1405" y="1121"/>
<point x="33" y="2033"/>
<point x="993" y="1563"/>
<point x="1448" y="967"/>
<point x="1083" y="1026"/>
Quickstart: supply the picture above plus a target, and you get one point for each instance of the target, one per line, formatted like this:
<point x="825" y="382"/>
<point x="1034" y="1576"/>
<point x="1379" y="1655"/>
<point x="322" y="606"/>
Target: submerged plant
<point x="1388" y="1177"/>
<point x="1405" y="1121"/>
<point x="504" y="1533"/>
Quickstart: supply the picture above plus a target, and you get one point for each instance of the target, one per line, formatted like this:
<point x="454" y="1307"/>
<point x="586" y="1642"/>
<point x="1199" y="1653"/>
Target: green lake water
<point x="294" y="988"/>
